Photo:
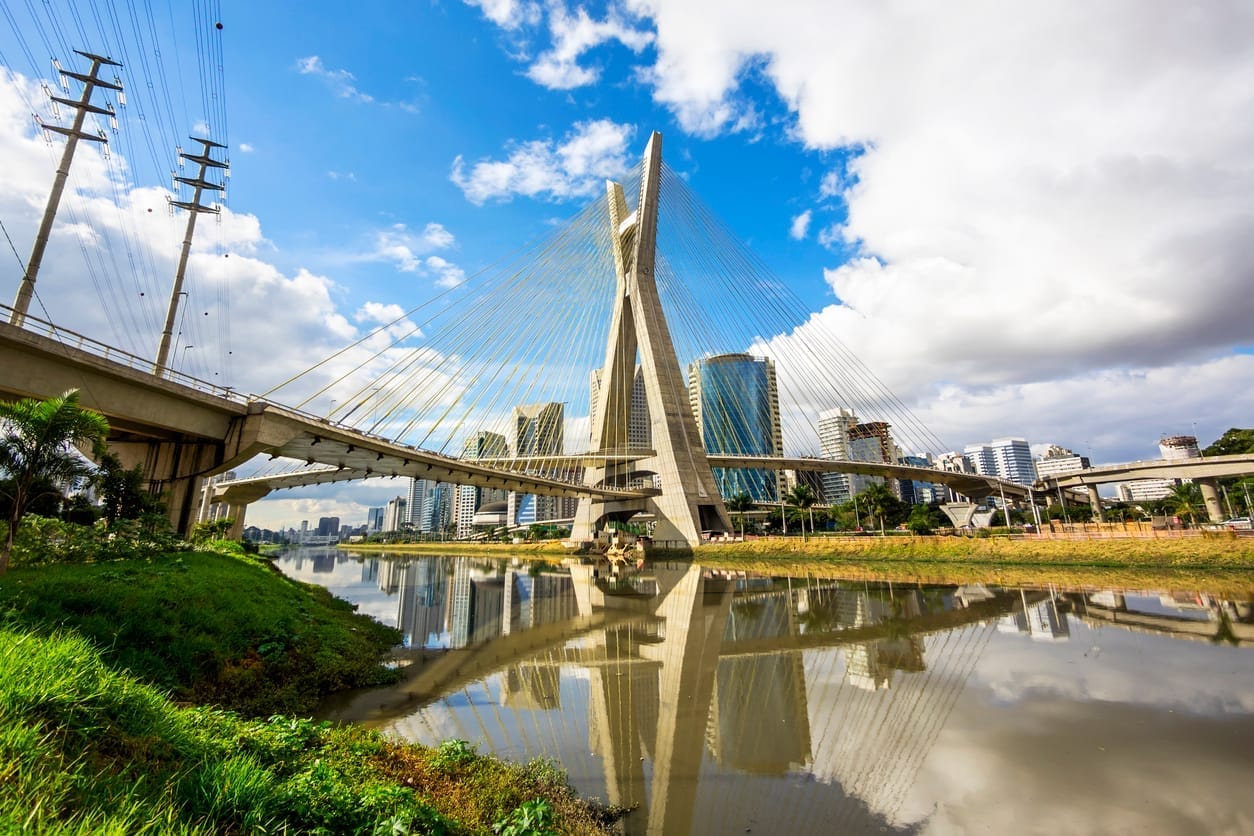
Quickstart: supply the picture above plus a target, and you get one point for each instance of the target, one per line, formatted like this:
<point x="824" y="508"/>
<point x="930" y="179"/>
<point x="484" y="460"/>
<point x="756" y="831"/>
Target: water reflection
<point x="722" y="703"/>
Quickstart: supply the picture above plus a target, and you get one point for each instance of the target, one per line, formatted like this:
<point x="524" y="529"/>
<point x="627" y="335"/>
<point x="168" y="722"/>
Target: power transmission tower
<point x="194" y="207"/>
<point x="73" y="134"/>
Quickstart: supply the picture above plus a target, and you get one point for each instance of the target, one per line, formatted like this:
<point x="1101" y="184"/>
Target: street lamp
<point x="183" y="357"/>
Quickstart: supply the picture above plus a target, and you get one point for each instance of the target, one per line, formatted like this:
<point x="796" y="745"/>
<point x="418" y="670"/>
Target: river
<point x="719" y="702"/>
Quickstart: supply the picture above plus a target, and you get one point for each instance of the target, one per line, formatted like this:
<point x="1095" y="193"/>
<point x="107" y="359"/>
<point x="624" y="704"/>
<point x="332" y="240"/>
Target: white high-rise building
<point x="1058" y="461"/>
<point x="481" y="445"/>
<point x="1179" y="447"/>
<point x="834" y="426"/>
<point x="1005" y="458"/>
<point x="395" y="515"/>
<point x="1144" y="490"/>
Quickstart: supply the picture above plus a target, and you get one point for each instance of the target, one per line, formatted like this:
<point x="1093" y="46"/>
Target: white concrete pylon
<point x="689" y="502"/>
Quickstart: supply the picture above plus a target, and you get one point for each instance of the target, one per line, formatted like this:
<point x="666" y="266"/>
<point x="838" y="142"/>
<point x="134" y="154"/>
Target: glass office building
<point x="736" y="403"/>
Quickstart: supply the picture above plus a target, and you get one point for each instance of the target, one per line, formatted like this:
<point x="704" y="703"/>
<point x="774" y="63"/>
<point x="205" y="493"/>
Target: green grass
<point x="87" y="749"/>
<point x="209" y="628"/>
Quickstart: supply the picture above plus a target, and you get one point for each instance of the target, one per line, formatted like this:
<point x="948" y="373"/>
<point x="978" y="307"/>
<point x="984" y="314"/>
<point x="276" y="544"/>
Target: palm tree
<point x="802" y="497"/>
<point x="36" y="445"/>
<point x="739" y="504"/>
<point x="878" y="500"/>
<point x="1185" y="500"/>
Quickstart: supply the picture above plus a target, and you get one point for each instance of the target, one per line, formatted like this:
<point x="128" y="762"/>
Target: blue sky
<point x="1036" y="216"/>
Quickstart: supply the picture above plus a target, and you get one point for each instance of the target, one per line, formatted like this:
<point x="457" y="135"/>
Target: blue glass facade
<point x="736" y="406"/>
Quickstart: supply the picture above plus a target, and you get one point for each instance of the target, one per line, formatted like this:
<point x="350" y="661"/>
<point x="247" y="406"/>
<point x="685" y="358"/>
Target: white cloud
<point x="341" y="81"/>
<point x="831" y="185"/>
<point x="246" y="148"/>
<point x="800" y="227"/>
<point x="591" y="153"/>
<point x="1049" y="196"/>
<point x="342" y="175"/>
<point x="832" y="234"/>
<point x="508" y="14"/>
<point x="406" y="248"/>
<point x="231" y="288"/>
<point x="447" y="274"/>
<point x="574" y="34"/>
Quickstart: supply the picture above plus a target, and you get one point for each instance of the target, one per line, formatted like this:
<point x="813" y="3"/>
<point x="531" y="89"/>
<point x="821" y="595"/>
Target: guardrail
<point x="104" y="351"/>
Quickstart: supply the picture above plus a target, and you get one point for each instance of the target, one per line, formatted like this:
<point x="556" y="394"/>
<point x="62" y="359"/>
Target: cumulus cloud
<point x="574" y="34"/>
<point x="406" y="248"/>
<point x="800" y="227"/>
<point x="246" y="148"/>
<point x="576" y="167"/>
<point x="231" y="287"/>
<point x="1039" y="193"/>
<point x="508" y="14"/>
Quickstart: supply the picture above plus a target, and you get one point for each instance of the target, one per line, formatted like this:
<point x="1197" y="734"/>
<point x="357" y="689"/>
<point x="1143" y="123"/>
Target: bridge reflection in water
<point x="715" y="702"/>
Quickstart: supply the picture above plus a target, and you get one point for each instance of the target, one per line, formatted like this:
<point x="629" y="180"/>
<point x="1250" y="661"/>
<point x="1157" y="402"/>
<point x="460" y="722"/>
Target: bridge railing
<point x="96" y="348"/>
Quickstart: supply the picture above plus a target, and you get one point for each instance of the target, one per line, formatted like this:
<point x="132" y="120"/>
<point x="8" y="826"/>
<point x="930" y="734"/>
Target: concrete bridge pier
<point x="1095" y="502"/>
<point x="960" y="513"/>
<point x="1210" y="495"/>
<point x="172" y="469"/>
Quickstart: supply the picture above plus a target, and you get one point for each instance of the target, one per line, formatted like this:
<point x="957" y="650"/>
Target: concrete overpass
<point x="180" y="430"/>
<point x="242" y="492"/>
<point x="1204" y="471"/>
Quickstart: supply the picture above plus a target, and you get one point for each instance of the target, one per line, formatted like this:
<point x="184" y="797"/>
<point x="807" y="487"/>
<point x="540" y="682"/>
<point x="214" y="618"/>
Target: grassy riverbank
<point x="114" y="678"/>
<point x="87" y="749"/>
<point x="209" y="628"/>
<point x="1217" y="562"/>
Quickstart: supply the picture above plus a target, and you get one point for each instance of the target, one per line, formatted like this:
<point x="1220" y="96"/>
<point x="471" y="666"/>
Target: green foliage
<point x="878" y="501"/>
<point x="1185" y="500"/>
<point x="210" y="530"/>
<point x="920" y="520"/>
<point x="452" y="754"/>
<point x="86" y="749"/>
<point x="211" y="628"/>
<point x="739" y="504"/>
<point x="42" y="541"/>
<point x="1232" y="442"/>
<point x="531" y="818"/>
<point x="122" y="492"/>
<point x="37" y="455"/>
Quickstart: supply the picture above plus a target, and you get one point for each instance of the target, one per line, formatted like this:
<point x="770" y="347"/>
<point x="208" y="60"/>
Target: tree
<point x="122" y="492"/>
<point x="739" y="504"/>
<point x="802" y="498"/>
<point x="880" y="502"/>
<point x="1185" y="500"/>
<point x="1232" y="442"/>
<point x="920" y="520"/>
<point x="37" y="446"/>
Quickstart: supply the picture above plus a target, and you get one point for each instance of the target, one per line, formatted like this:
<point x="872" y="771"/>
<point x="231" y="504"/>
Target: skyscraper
<point x="481" y="445"/>
<point x="639" y="431"/>
<point x="430" y="506"/>
<point x="872" y="442"/>
<point x="538" y="431"/>
<point x="735" y="400"/>
<point x="834" y="425"/>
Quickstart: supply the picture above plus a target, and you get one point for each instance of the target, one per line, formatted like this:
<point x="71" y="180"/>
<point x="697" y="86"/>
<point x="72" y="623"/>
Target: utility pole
<point x="194" y="207"/>
<point x="73" y="134"/>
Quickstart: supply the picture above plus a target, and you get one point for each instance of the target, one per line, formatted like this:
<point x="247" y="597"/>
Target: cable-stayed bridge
<point x="470" y="387"/>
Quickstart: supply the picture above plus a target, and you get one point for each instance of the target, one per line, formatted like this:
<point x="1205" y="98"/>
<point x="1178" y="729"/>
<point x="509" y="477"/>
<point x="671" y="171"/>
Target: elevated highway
<point x="179" y="429"/>
<point x="1203" y="470"/>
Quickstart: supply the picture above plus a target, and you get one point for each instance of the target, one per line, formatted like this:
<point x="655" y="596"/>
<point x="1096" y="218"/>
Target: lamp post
<point x="183" y="358"/>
